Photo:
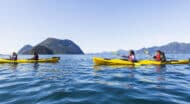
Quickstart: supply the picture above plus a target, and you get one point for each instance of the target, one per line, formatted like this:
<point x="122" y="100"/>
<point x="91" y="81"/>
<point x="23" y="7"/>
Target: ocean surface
<point x="75" y="80"/>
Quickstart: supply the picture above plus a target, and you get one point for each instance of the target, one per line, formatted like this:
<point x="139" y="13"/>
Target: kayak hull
<point x="45" y="60"/>
<point x="102" y="61"/>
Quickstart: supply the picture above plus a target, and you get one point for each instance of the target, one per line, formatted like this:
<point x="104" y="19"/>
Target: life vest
<point x="158" y="57"/>
<point x="131" y="58"/>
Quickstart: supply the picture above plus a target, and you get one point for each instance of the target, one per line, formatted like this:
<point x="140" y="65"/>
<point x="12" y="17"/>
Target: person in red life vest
<point x="160" y="56"/>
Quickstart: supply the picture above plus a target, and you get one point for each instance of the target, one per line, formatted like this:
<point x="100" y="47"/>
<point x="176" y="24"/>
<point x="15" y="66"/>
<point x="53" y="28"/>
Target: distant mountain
<point x="108" y="53"/>
<point x="122" y="52"/>
<point x="61" y="46"/>
<point x="25" y="50"/>
<point x="172" y="48"/>
<point x="56" y="46"/>
<point x="41" y="50"/>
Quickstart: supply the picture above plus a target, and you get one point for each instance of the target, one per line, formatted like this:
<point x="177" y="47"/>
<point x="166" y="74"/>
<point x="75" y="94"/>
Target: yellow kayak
<point x="45" y="60"/>
<point x="102" y="61"/>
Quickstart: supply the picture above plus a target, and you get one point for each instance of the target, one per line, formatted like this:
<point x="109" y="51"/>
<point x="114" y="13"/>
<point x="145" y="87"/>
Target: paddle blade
<point x="114" y="53"/>
<point x="146" y="51"/>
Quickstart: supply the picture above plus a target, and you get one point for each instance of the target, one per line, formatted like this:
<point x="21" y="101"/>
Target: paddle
<point x="148" y="53"/>
<point x="6" y="55"/>
<point x="125" y="58"/>
<point x="117" y="54"/>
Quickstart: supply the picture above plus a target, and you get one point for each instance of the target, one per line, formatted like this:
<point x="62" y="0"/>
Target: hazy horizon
<point x="96" y="25"/>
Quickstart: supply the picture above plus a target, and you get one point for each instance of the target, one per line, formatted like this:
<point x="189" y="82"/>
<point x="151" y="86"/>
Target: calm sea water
<point x="74" y="80"/>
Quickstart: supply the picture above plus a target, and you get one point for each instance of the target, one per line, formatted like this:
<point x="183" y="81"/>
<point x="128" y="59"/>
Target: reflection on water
<point x="160" y="70"/>
<point x="36" y="66"/>
<point x="13" y="66"/>
<point x="132" y="71"/>
<point x="99" y="67"/>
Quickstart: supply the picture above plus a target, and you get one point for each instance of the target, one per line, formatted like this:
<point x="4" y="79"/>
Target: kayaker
<point x="131" y="56"/>
<point x="35" y="57"/>
<point x="14" y="56"/>
<point x="163" y="57"/>
<point x="160" y="56"/>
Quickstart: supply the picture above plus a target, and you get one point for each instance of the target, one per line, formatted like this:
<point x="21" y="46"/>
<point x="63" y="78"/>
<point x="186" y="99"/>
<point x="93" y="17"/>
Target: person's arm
<point x="125" y="56"/>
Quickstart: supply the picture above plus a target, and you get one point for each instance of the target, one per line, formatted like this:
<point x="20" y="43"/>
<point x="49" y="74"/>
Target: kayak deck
<point x="102" y="61"/>
<point x="45" y="60"/>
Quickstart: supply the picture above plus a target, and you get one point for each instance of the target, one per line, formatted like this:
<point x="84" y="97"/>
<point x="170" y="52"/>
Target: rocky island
<point x="53" y="46"/>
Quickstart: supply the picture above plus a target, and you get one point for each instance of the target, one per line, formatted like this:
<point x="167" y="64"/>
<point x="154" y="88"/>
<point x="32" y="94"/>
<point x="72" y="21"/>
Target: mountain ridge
<point x="169" y="48"/>
<point x="25" y="49"/>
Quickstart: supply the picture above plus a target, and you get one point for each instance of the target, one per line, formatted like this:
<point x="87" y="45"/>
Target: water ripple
<point x="75" y="80"/>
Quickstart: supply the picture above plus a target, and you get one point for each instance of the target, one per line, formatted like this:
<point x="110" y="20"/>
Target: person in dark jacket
<point x="14" y="56"/>
<point x="35" y="57"/>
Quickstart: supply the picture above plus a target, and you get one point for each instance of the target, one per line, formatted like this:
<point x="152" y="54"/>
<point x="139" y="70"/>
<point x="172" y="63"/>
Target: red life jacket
<point x="158" y="57"/>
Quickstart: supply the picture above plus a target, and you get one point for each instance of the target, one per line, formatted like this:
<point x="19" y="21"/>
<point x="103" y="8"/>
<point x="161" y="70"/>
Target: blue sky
<point x="95" y="25"/>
